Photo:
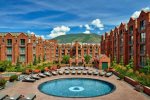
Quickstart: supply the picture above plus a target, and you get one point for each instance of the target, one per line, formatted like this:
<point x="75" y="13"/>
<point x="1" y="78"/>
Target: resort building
<point x="24" y="48"/>
<point x="127" y="41"/>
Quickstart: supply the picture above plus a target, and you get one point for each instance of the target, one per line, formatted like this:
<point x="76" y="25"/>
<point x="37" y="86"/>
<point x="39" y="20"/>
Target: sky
<point x="52" y="18"/>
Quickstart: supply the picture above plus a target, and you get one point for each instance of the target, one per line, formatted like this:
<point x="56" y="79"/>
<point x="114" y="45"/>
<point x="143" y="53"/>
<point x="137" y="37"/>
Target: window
<point x="131" y="30"/>
<point x="22" y="58"/>
<point x="142" y="49"/>
<point x="9" y="50"/>
<point x="131" y="40"/>
<point x="9" y="41"/>
<point x="22" y="50"/>
<point x="142" y="37"/>
<point x="22" y="41"/>
<point x="142" y="25"/>
<point x="121" y="41"/>
<point x="131" y="50"/>
<point x="142" y="61"/>
<point x="9" y="57"/>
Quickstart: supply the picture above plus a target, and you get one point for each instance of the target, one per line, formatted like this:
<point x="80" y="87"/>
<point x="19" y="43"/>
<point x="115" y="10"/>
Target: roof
<point x="13" y="33"/>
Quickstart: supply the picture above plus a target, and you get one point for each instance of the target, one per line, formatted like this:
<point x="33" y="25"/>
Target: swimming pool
<point x="76" y="87"/>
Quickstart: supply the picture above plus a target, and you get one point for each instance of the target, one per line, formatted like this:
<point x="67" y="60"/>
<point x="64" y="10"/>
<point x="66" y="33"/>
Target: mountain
<point x="84" y="38"/>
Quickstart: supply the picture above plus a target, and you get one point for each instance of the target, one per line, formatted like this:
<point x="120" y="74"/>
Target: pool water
<point x="76" y="87"/>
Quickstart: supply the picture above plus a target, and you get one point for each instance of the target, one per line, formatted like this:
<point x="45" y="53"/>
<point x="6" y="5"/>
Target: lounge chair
<point x="90" y="72"/>
<point x="61" y="72"/>
<point x="47" y="74"/>
<point x="30" y="97"/>
<point x="15" y="97"/>
<point x="81" y="68"/>
<point x="73" y="72"/>
<point x="71" y="68"/>
<point x="66" y="68"/>
<point x="76" y="68"/>
<point x="54" y="73"/>
<point x="79" y="72"/>
<point x="67" y="72"/>
<point x="41" y="75"/>
<point x="108" y="74"/>
<point x="3" y="96"/>
<point x="84" y="72"/>
<point x="86" y="68"/>
<point x="35" y="77"/>
<point x="95" y="73"/>
<point x="102" y="73"/>
<point x="28" y="79"/>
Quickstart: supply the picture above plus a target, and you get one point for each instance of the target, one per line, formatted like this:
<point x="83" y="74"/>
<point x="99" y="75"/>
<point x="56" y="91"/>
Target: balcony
<point x="9" y="52"/>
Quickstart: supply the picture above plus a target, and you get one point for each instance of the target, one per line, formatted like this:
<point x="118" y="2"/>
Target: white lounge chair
<point x="61" y="72"/>
<point x="34" y="76"/>
<point x="30" y="97"/>
<point x="15" y="97"/>
<point x="73" y="72"/>
<point x="102" y="73"/>
<point x="3" y="96"/>
<point x="67" y="72"/>
<point x="84" y="72"/>
<point x="41" y="75"/>
<point x="47" y="74"/>
<point x="28" y="79"/>
<point x="54" y="73"/>
<point x="90" y="72"/>
<point x="79" y="72"/>
<point x="108" y="74"/>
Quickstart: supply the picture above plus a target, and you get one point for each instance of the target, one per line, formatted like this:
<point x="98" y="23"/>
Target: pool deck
<point x="123" y="90"/>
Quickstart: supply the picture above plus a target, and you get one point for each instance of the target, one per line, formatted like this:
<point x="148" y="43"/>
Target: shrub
<point x="2" y="82"/>
<point x="13" y="78"/>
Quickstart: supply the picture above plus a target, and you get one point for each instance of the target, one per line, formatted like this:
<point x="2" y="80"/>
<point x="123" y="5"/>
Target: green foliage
<point x="39" y="59"/>
<point x="35" y="61"/>
<point x="13" y="78"/>
<point x="2" y="82"/>
<point x="85" y="38"/>
<point x="87" y="58"/>
<point x="146" y="69"/>
<point x="4" y="65"/>
<point x="121" y="61"/>
<point x="131" y="64"/>
<point x="65" y="59"/>
<point x="114" y="62"/>
<point x="44" y="58"/>
<point x="18" y="63"/>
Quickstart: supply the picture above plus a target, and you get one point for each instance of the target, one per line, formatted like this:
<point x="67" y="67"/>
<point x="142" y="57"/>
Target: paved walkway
<point x="123" y="90"/>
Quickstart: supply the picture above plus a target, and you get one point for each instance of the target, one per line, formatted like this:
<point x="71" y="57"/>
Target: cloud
<point x="87" y="27"/>
<point x="137" y="13"/>
<point x="98" y="24"/>
<point x="42" y="36"/>
<point x="57" y="31"/>
<point x="80" y="26"/>
<point x="87" y="32"/>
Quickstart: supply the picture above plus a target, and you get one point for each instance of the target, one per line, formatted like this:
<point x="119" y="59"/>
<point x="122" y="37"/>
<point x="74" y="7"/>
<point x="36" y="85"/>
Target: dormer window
<point x="142" y="25"/>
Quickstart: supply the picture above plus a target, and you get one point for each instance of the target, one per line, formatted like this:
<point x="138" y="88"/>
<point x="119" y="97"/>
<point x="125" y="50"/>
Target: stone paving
<point x="123" y="90"/>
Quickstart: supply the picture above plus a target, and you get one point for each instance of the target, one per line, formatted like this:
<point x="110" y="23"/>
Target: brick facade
<point x="131" y="40"/>
<point x="25" y="47"/>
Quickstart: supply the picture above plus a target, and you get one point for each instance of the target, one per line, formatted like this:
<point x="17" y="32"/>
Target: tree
<point x="39" y="59"/>
<point x="44" y="58"/>
<point x="87" y="58"/>
<point x="121" y="61"/>
<point x="146" y="68"/>
<point x="34" y="62"/>
<point x="131" y="64"/>
<point x="113" y="64"/>
<point x="66" y="59"/>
